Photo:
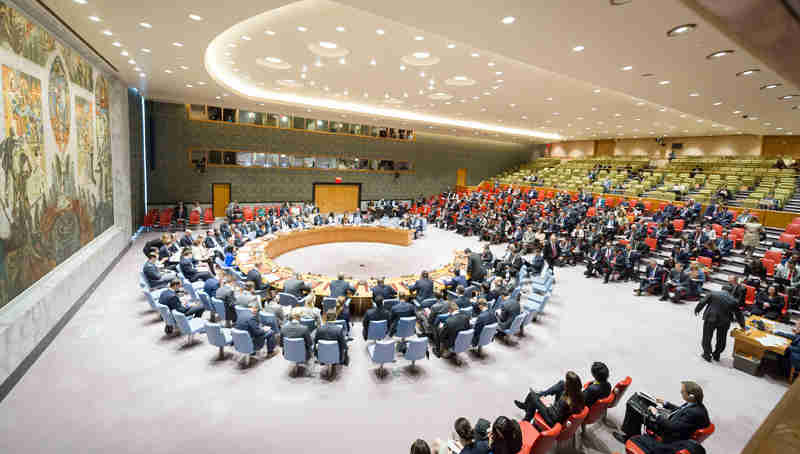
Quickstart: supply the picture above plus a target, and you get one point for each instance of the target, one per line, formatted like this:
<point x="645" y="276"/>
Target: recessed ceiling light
<point x="663" y="82"/>
<point x="508" y="20"/>
<point x="422" y="74"/>
<point x="694" y="94"/>
<point x="596" y="90"/>
<point x="421" y="55"/>
<point x="498" y="73"/>
<point x="402" y="67"/>
<point x="95" y="19"/>
<point x="475" y="55"/>
<point x="342" y="61"/>
<point x="177" y="44"/>
<point x="594" y="109"/>
<point x="578" y="48"/>
<point x="768" y="86"/>
<point x="718" y="103"/>
<point x="116" y="44"/>
<point x="201" y="83"/>
<point x="142" y="75"/>
<point x="269" y="32"/>
<point x="246" y="38"/>
<point x="627" y="68"/>
<point x="303" y="75"/>
<point x="184" y="67"/>
<point x="556" y="114"/>
<point x="748" y="72"/>
<point x="549" y="99"/>
<point x="737" y="112"/>
<point x="340" y="29"/>
<point x="719" y="53"/>
<point x="373" y="62"/>
<point x="451" y="46"/>
<point x="231" y="45"/>
<point x="195" y="17"/>
<point x="145" y="25"/>
<point x="132" y="61"/>
<point x="753" y="118"/>
<point x="168" y="71"/>
<point x="682" y="116"/>
<point x="491" y="63"/>
<point x="189" y="85"/>
<point x="328" y="45"/>
<point x="499" y="81"/>
<point x="380" y="31"/>
<point x="107" y="32"/>
<point x="700" y="121"/>
<point x="787" y="97"/>
<point x="617" y="115"/>
<point x="124" y="53"/>
<point x="681" y="29"/>
<point x="80" y="2"/>
<point x="302" y="29"/>
<point x="419" y="38"/>
<point x="218" y="97"/>
<point x="145" y="50"/>
<point x="137" y="69"/>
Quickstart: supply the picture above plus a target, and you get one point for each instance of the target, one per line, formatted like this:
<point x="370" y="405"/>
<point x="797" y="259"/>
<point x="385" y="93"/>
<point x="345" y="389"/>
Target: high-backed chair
<point x="416" y="349"/>
<point x="516" y="324"/>
<point x="377" y="330"/>
<point x="528" y="319"/>
<point x="328" y="303"/>
<point x="405" y="328"/>
<point x="486" y="336"/>
<point x="166" y="315"/>
<point x="242" y="313"/>
<point x="218" y="337"/>
<point x="328" y="353"/>
<point x="427" y="303"/>
<point x="219" y="309"/>
<point x="381" y="352"/>
<point x="462" y="343"/>
<point x="309" y="323"/>
<point x="287" y="299"/>
<point x="243" y="343"/>
<point x="619" y="390"/>
<point x="294" y="350"/>
<point x="204" y="298"/>
<point x="546" y="439"/>
<point x="189" y="326"/>
<point x="269" y="319"/>
<point x="700" y="435"/>
<point x="597" y="411"/>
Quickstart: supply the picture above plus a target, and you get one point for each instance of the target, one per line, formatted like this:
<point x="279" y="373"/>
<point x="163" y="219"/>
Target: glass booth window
<point x="214" y="113"/>
<point x="244" y="159"/>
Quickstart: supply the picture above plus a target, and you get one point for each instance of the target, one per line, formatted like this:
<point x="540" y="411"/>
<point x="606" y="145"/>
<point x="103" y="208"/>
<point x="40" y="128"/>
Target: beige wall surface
<point x="573" y="150"/>
<point x="717" y="146"/>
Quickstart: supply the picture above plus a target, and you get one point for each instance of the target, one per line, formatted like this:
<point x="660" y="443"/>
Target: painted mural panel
<point x="56" y="190"/>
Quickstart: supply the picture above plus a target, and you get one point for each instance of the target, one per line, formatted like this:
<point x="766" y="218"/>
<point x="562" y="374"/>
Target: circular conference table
<point x="260" y="254"/>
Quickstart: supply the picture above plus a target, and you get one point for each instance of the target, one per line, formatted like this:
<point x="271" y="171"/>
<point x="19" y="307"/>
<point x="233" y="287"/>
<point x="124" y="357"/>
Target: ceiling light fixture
<point x="340" y="29"/>
<point x="419" y="38"/>
<point x="168" y="71"/>
<point x="302" y="29"/>
<point x="498" y="73"/>
<point x="342" y="61"/>
<point x="451" y="46"/>
<point x="380" y="31"/>
<point x="596" y="90"/>
<point x="373" y="62"/>
<point x="737" y="112"/>
<point x="145" y="25"/>
<point x="681" y="29"/>
<point x="269" y="32"/>
<point x="107" y="32"/>
<point x="132" y="61"/>
<point x="184" y="67"/>
<point x="402" y="67"/>
<point x="475" y="55"/>
<point x="719" y="54"/>
<point x="116" y="44"/>
<point x="718" y="103"/>
<point x="508" y="20"/>
<point x="768" y="86"/>
<point x="124" y="53"/>
<point x="578" y="48"/>
<point x="273" y="59"/>
<point x="626" y="68"/>
<point x="177" y="44"/>
<point x="328" y="45"/>
<point x="694" y="94"/>
<point x="95" y="19"/>
<point x="748" y="72"/>
<point x="246" y="38"/>
<point x="663" y="82"/>
<point x="421" y="55"/>
<point x="145" y="50"/>
<point x="142" y="75"/>
<point x="195" y="17"/>
<point x="189" y="85"/>
<point x="787" y="97"/>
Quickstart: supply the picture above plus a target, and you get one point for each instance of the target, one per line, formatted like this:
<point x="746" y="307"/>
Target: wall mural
<point x="56" y="186"/>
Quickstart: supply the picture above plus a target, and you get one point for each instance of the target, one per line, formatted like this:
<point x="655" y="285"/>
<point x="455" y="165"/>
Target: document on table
<point x="771" y="340"/>
<point x="271" y="278"/>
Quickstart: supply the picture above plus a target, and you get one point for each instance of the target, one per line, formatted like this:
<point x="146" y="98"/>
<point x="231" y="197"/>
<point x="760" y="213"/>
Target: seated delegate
<point x="673" y="422"/>
<point x="258" y="334"/>
<point x="568" y="403"/>
<point x="598" y="389"/>
<point x="332" y="332"/>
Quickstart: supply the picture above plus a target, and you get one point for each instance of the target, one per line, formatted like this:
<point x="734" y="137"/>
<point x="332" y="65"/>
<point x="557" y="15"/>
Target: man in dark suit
<point x="736" y="289"/>
<point x="457" y="280"/>
<point x="677" y="282"/>
<point x="297" y="287"/>
<point x="485" y="317"/>
<point x="398" y="311"/>
<point x="631" y="257"/>
<point x="254" y="276"/>
<point x="169" y="298"/>
<point x="506" y="314"/>
<point x="384" y="291"/>
<point x="186" y="240"/>
<point x="154" y="277"/>
<point x="341" y="287"/>
<point x="595" y="261"/>
<point x="295" y="330"/>
<point x="332" y="332"/>
<point x="448" y="331"/>
<point x="679" y="423"/>
<point x="188" y="269"/>
<point x="211" y="286"/>
<point x="475" y="270"/>
<point x="552" y="252"/>
<point x="720" y="309"/>
<point x="423" y="287"/>
<point x="381" y="312"/>
<point x="258" y="334"/>
<point x="462" y="301"/>
<point x="537" y="261"/>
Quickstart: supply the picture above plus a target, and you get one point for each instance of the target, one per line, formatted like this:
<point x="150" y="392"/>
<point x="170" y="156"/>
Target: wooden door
<point x="337" y="198"/>
<point x="461" y="177"/>
<point x="221" y="197"/>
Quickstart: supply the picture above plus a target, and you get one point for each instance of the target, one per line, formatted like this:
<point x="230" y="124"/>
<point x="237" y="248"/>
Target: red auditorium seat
<point x="793" y="229"/>
<point x="717" y="228"/>
<point x="247" y="212"/>
<point x="590" y="212"/>
<point x="147" y="222"/>
<point x="796" y="220"/>
<point x="750" y="297"/>
<point x="543" y="440"/>
<point x="574" y="422"/>
<point x="194" y="219"/>
<point x="208" y="216"/>
<point x="769" y="265"/>
<point x="598" y="410"/>
<point x="706" y="261"/>
<point x="652" y="243"/>
<point x="787" y="238"/>
<point x="678" y="224"/>
<point x="700" y="435"/>
<point x="775" y="256"/>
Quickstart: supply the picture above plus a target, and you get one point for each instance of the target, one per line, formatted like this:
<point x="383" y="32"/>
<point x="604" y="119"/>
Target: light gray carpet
<point x="111" y="382"/>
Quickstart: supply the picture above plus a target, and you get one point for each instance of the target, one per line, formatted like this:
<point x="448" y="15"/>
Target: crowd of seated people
<point x="655" y="427"/>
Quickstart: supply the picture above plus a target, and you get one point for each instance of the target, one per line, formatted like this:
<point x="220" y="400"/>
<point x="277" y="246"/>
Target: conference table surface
<point x="748" y="343"/>
<point x="262" y="252"/>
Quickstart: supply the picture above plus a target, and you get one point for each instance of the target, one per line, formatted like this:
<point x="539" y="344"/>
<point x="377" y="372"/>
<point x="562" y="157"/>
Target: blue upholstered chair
<point x="528" y="319"/>
<point x="308" y="322"/>
<point x="442" y="317"/>
<point x="294" y="350"/>
<point x="152" y="297"/>
<point x="377" y="330"/>
<point x="243" y="343"/>
<point x="287" y="299"/>
<point x="218" y="337"/>
<point x="471" y="290"/>
<point x="463" y="343"/>
<point x="242" y="313"/>
<point x="390" y="302"/>
<point x="451" y="295"/>
<point x="328" y="303"/>
<point x="204" y="298"/>
<point x="406" y="327"/>
<point x="219" y="309"/>
<point x="516" y="324"/>
<point x="416" y="350"/>
<point x="166" y="315"/>
<point x="328" y="353"/>
<point x="381" y="352"/>
<point x="190" y="290"/>
<point x="428" y="303"/>
<point x="269" y="319"/>
<point x="486" y="336"/>
<point x="189" y="326"/>
<point x="340" y="323"/>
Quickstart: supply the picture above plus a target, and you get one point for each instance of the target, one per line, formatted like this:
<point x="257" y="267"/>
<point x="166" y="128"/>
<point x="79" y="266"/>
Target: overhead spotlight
<point x="719" y="54"/>
<point x="748" y="72"/>
<point x="681" y="29"/>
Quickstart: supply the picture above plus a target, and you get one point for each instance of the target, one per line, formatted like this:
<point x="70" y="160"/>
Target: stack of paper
<point x="772" y="341"/>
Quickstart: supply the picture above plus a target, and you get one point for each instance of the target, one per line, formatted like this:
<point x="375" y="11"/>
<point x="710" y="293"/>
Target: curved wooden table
<point x="260" y="253"/>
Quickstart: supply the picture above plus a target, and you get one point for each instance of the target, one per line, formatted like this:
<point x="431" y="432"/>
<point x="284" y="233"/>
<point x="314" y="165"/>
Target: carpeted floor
<point x="112" y="382"/>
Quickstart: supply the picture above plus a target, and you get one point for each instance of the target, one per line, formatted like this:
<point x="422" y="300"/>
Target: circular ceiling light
<point x="451" y="46"/>
<point x="195" y="17"/>
<point x="145" y="25"/>
<point x="694" y="94"/>
<point x="474" y="55"/>
<point x="116" y="44"/>
<point x="768" y="86"/>
<point x="748" y="72"/>
<point x="788" y="97"/>
<point x="578" y="48"/>
<point x="420" y="59"/>
<point x="663" y="82"/>
<point x="440" y="96"/>
<point x="273" y="63"/>
<point x="508" y="20"/>
<point x="95" y="19"/>
<point x="718" y="103"/>
<point x="419" y="38"/>
<point x="459" y="81"/>
<point x="626" y="68"/>
<point x="291" y="83"/>
<point x="719" y="54"/>
<point x="681" y="30"/>
<point x="177" y="44"/>
<point x="340" y="29"/>
<point x="380" y="31"/>
<point x="302" y="29"/>
<point x="328" y="49"/>
<point x="269" y="32"/>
